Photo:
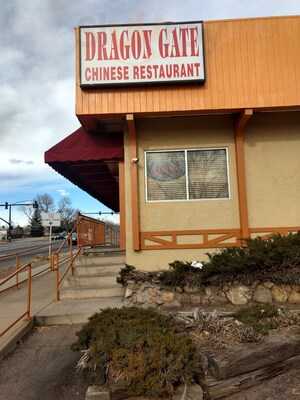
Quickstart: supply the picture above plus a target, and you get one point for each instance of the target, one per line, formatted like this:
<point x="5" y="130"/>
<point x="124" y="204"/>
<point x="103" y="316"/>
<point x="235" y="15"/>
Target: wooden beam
<point x="134" y="187"/>
<point x="122" y="205"/>
<point x="241" y="173"/>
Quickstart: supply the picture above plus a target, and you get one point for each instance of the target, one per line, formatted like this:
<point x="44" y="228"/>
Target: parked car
<point x="74" y="238"/>
<point x="59" y="236"/>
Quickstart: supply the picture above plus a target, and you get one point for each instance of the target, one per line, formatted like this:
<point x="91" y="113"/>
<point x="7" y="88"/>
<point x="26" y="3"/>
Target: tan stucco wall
<point x="180" y="133"/>
<point x="272" y="155"/>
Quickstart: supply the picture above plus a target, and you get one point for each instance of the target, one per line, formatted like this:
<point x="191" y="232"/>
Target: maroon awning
<point x="90" y="161"/>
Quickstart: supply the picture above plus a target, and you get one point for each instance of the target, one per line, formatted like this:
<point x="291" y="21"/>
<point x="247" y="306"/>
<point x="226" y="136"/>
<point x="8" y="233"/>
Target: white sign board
<point x="50" y="219"/>
<point x="140" y="54"/>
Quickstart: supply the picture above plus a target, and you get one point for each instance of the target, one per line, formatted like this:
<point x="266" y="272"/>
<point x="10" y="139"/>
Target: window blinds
<point x="166" y="175"/>
<point x="207" y="174"/>
<point x="187" y="174"/>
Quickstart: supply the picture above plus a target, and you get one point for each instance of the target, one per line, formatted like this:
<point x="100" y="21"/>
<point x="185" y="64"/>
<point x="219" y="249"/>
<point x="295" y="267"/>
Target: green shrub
<point x="127" y="273"/>
<point x="276" y="259"/>
<point x="142" y="350"/>
<point x="180" y="274"/>
<point x="260" y="317"/>
<point x="259" y="260"/>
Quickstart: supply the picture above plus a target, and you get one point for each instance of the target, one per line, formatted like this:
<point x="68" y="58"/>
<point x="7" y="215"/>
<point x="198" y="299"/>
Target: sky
<point x="37" y="79"/>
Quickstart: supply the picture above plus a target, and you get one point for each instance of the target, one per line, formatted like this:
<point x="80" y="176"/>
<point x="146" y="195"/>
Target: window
<point x="187" y="174"/>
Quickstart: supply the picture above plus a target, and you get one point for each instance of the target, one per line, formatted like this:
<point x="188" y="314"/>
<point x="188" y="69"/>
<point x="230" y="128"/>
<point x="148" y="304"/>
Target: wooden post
<point x="29" y="291"/>
<point x="122" y="206"/>
<point x="241" y="173"/>
<point x="17" y="268"/>
<point x="57" y="278"/>
<point x="134" y="188"/>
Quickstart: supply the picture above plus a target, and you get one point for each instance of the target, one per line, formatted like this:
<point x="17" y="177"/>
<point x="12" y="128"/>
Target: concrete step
<point x="100" y="281"/>
<point x="106" y="251"/>
<point x="84" y="260"/>
<point x="71" y="311"/>
<point x="92" y="270"/>
<point x="92" y="292"/>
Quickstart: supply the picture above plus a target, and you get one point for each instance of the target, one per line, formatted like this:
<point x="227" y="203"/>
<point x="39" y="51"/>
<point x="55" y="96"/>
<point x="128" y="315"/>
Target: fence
<point x="90" y="233"/>
<point x="27" y="313"/>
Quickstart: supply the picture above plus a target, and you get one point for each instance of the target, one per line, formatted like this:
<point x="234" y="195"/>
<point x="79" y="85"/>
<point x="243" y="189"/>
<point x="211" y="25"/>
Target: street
<point x="28" y="248"/>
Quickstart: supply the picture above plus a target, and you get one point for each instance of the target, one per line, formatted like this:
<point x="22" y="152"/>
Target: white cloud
<point x="63" y="192"/>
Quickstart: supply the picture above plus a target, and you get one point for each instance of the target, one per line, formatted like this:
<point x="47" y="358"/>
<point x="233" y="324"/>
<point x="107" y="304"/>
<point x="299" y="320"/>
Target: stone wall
<point x="147" y="294"/>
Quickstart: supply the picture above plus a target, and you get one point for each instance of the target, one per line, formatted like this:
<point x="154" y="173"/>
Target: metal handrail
<point x="27" y="313"/>
<point x="17" y="256"/>
<point x="57" y="264"/>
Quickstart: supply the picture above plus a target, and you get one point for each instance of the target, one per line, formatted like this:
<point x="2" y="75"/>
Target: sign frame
<point x="49" y="223"/>
<point x="147" y="83"/>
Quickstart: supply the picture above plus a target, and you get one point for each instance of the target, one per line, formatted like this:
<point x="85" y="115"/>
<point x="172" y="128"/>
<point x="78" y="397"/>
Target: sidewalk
<point x="13" y="302"/>
<point x="23" y="276"/>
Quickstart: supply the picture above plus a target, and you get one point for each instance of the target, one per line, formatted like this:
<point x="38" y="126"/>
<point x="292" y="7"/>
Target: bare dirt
<point x="283" y="387"/>
<point x="43" y="367"/>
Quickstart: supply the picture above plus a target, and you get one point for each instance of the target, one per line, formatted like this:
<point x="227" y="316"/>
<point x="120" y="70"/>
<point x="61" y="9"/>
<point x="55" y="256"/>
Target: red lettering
<point x="105" y="71"/>
<point x="155" y="68"/>
<point x="95" y="74"/>
<point x="119" y="73"/>
<point x="149" y="72"/>
<point x="190" y="70"/>
<point x="161" y="72"/>
<point x="142" y="72"/>
<point x="124" y="49"/>
<point x="163" y="47"/>
<point x="126" y="73"/>
<point x="102" y="41"/>
<point x="114" y="54"/>
<point x="147" y="42"/>
<point x="184" y="36"/>
<point x="113" y="73"/>
<point x="175" y="52"/>
<point x="136" y="45"/>
<point x="87" y="74"/>
<point x="194" y="42"/>
<point x="90" y="46"/>
<point x="176" y="71"/>
<point x="183" y="71"/>
<point x="197" y="66"/>
<point x="169" y="70"/>
<point x="135" y="72"/>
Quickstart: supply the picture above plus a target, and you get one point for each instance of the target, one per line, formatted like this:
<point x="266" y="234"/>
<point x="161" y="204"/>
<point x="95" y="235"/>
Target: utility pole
<point x="8" y="207"/>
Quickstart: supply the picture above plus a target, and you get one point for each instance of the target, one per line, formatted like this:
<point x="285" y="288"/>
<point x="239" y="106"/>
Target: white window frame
<point x="185" y="150"/>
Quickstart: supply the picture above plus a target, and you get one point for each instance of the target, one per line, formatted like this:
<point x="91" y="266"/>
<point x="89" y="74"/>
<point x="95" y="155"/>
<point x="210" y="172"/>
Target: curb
<point x="8" y="344"/>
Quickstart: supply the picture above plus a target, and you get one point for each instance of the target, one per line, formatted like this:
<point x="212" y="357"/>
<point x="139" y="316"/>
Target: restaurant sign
<point x="140" y="54"/>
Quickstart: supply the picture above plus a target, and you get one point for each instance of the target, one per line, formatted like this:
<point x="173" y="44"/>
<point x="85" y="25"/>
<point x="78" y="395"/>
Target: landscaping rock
<point x="152" y="295"/>
<point x="262" y="295"/>
<point x="294" y="297"/>
<point x="189" y="392"/>
<point x="167" y="297"/>
<point x="128" y="293"/>
<point x="195" y="299"/>
<point x="190" y="289"/>
<point x="173" y="304"/>
<point x="269" y="285"/>
<point x="96" y="392"/>
<point x="239" y="295"/>
<point x="279" y="294"/>
<point x="141" y="297"/>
